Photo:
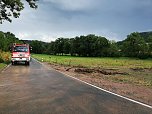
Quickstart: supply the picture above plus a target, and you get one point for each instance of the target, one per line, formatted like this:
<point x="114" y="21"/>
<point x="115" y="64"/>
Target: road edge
<point x="6" y="67"/>
<point x="129" y="99"/>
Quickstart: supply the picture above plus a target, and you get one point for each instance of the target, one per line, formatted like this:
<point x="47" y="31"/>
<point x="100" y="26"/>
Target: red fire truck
<point x="20" y="53"/>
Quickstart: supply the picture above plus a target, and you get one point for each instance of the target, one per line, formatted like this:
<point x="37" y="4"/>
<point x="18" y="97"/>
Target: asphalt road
<point x="36" y="90"/>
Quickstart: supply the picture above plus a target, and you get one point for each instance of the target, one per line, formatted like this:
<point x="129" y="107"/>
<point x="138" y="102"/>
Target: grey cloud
<point x="73" y="5"/>
<point x="63" y="18"/>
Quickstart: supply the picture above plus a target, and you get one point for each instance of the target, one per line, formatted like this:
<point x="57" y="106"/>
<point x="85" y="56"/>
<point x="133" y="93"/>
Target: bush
<point x="1" y="60"/>
<point x="143" y="56"/>
<point x="4" y="57"/>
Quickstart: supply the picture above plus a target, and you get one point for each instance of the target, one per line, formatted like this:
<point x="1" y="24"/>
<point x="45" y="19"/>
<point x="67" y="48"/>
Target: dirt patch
<point x="141" y="69"/>
<point x="102" y="71"/>
<point x="68" y="69"/>
<point x="137" y="69"/>
<point x="97" y="76"/>
<point x="84" y="70"/>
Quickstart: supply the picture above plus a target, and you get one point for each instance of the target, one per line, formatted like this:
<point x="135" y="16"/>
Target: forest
<point x="136" y="44"/>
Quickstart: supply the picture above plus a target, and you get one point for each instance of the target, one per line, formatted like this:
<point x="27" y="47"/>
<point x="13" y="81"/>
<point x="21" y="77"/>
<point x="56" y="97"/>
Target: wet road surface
<point x="36" y="90"/>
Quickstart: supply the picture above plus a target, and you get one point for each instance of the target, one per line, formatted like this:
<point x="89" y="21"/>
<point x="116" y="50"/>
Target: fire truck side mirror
<point x="31" y="48"/>
<point x="10" y="48"/>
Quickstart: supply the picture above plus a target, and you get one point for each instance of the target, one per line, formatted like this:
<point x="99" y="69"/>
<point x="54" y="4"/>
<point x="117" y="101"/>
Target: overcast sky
<point x="114" y="19"/>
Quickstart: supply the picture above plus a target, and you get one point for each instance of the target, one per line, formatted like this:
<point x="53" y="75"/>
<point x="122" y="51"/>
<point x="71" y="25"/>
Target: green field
<point x="139" y="71"/>
<point x="95" y="62"/>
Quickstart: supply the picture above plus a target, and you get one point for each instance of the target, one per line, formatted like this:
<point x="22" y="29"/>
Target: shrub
<point x="4" y="57"/>
<point x="1" y="60"/>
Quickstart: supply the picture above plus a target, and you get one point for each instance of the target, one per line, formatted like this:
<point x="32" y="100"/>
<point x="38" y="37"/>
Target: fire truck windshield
<point x="20" y="49"/>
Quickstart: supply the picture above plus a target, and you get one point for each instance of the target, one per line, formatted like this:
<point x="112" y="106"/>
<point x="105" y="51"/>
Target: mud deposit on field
<point x="99" y="77"/>
<point x="141" y="69"/>
<point x="99" y="70"/>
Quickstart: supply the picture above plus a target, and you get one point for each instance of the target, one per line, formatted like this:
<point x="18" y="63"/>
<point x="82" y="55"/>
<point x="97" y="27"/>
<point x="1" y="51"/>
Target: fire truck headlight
<point x="13" y="59"/>
<point x="27" y="59"/>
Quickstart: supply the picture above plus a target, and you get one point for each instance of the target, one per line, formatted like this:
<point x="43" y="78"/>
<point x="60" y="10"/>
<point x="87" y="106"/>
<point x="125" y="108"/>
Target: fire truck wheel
<point x="15" y="62"/>
<point x="27" y="63"/>
<point x="12" y="63"/>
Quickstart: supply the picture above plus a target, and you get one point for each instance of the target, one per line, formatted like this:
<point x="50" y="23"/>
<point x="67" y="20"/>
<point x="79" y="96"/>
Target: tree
<point x="7" y="39"/>
<point x="59" y="43"/>
<point x="149" y="42"/>
<point x="66" y="46"/>
<point x="101" y="47"/>
<point x="135" y="46"/>
<point x="37" y="47"/>
<point x="113" y="50"/>
<point x="75" y="45"/>
<point x="51" y="48"/>
<point x="1" y="40"/>
<point x="12" y="8"/>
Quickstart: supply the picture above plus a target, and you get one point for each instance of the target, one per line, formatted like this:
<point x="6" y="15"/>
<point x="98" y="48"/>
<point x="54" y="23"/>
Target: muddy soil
<point x="99" y="70"/>
<point x="97" y="76"/>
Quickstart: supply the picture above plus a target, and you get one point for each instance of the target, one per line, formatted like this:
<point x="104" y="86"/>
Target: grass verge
<point x="2" y="65"/>
<point x="4" y="59"/>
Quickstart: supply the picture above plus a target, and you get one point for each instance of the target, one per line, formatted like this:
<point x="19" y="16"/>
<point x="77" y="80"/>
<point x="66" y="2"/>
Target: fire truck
<point x="20" y="53"/>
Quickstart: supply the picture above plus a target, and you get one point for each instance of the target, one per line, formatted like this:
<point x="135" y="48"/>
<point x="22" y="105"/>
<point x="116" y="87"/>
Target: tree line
<point x="88" y="46"/>
<point x="135" y="45"/>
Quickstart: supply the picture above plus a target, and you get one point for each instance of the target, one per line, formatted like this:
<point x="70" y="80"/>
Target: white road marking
<point x="129" y="99"/>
